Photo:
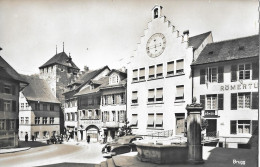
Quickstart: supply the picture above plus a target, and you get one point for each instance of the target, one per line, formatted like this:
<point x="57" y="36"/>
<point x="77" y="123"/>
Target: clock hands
<point x="154" y="46"/>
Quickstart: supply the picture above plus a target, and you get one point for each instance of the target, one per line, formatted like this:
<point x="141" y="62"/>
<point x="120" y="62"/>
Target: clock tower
<point x="159" y="84"/>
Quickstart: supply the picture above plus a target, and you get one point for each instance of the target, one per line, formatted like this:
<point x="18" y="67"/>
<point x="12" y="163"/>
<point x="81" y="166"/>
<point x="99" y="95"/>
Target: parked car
<point x="120" y="146"/>
<point x="55" y="140"/>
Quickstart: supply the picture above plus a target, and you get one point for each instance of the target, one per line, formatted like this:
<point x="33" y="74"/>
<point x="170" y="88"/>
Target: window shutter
<point x="220" y="101"/>
<point x="16" y="124"/>
<point x="220" y="74"/>
<point x="254" y="127"/>
<point x="233" y="73"/>
<point x="1" y="105"/>
<point x="233" y="101"/>
<point x="202" y="100"/>
<point x="13" y="89"/>
<point x="233" y="127"/>
<point x="14" y="106"/>
<point x="255" y="101"/>
<point x="255" y="71"/>
<point x="202" y="76"/>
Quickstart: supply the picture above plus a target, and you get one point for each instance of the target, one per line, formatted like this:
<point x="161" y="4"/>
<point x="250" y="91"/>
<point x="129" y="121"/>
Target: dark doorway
<point x="180" y="123"/>
<point x="211" y="130"/>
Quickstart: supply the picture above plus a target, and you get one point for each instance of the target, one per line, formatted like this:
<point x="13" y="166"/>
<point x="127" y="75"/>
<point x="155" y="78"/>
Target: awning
<point x="159" y="119"/>
<point x="150" y="120"/>
<point x="170" y="66"/>
<point x="151" y="93"/>
<point x="134" y="95"/>
<point x="134" y="119"/>
<point x="159" y="93"/>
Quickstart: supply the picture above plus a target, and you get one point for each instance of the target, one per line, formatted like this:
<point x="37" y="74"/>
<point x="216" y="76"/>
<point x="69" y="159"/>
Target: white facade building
<point x="159" y="84"/>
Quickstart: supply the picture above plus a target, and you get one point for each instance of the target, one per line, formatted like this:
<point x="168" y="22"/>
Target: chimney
<point x="186" y="36"/>
<point x="86" y="68"/>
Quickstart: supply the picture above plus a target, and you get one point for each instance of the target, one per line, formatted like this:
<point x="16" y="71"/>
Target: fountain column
<point x="194" y="132"/>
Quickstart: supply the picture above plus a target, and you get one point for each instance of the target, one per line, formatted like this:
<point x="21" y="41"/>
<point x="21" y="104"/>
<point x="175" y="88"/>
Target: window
<point x="113" y="99"/>
<point x="122" y="97"/>
<point x="51" y="120"/>
<point x="26" y="105"/>
<point x="12" y="124"/>
<point x="22" y="105"/>
<point x="52" y="107"/>
<point x="113" y="116"/>
<point x="134" y="120"/>
<point x="72" y="117"/>
<point x="159" y="121"/>
<point x="22" y="120"/>
<point x="7" y="105"/>
<point x="150" y="121"/>
<point x="122" y="116"/>
<point x="240" y="127"/>
<point x="90" y="101"/>
<point x="2" y="124"/>
<point x="142" y="74"/>
<point x="159" y="94"/>
<point x="45" y="107"/>
<point x="114" y="79"/>
<point x="7" y="89"/>
<point x="156" y="13"/>
<point x="37" y="106"/>
<point x="159" y="70"/>
<point x="211" y="102"/>
<point x="151" y="95"/>
<point x="44" y="120"/>
<point x="26" y="120"/>
<point x="243" y="100"/>
<point x="179" y="92"/>
<point x="170" y="68"/>
<point x="151" y="72"/>
<point x="180" y="66"/>
<point x="134" y="97"/>
<point x="212" y="74"/>
<point x="244" y="71"/>
<point x="135" y="78"/>
<point x="37" y="120"/>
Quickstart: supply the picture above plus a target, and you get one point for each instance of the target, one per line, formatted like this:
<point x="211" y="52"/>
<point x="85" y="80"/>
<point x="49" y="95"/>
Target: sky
<point x="106" y="32"/>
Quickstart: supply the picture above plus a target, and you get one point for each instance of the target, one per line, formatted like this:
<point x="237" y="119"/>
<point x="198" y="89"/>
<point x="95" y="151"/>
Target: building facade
<point x="225" y="78"/>
<point x="159" y="84"/>
<point x="11" y="83"/>
<point x="113" y="104"/>
<point x="71" y="101"/>
<point x="39" y="110"/>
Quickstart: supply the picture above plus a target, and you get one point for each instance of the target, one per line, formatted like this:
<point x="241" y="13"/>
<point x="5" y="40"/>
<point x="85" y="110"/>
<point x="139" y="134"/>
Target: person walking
<point x="26" y="137"/>
<point x="32" y="137"/>
<point x="88" y="139"/>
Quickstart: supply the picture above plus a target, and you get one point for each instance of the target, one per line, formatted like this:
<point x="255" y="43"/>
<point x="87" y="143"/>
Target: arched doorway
<point x="93" y="131"/>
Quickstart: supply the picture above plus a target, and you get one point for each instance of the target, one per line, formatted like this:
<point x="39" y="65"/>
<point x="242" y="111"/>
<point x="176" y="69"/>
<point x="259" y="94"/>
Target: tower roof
<point x="60" y="58"/>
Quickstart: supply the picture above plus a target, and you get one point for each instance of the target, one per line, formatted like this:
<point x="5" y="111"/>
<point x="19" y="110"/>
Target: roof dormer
<point x="114" y="79"/>
<point x="156" y="11"/>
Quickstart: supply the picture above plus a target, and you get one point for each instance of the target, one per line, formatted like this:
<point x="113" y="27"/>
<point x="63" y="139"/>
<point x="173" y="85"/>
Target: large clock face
<point x="156" y="45"/>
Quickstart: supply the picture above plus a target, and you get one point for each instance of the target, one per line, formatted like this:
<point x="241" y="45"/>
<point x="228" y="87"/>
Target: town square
<point x="129" y="83"/>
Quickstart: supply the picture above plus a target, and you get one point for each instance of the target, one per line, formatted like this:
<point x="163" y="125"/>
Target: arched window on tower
<point x="156" y="13"/>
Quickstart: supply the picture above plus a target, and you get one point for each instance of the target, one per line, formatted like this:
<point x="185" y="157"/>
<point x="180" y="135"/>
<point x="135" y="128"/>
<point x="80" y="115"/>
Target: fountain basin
<point x="162" y="154"/>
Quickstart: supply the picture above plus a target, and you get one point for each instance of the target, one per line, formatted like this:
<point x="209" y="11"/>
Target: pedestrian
<point x="26" y="137"/>
<point x="88" y="139"/>
<point x="32" y="137"/>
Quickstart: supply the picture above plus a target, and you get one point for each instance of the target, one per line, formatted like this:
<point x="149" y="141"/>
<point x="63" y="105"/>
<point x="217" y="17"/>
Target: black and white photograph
<point x="129" y="83"/>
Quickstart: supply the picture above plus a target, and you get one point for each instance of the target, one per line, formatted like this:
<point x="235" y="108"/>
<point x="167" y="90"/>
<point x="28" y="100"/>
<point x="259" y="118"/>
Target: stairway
<point x="108" y="163"/>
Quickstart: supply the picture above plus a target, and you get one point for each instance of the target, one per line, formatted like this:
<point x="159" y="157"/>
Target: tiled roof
<point x="86" y="77"/>
<point x="197" y="40"/>
<point x="87" y="90"/>
<point x="8" y="72"/>
<point x="233" y="49"/>
<point x="118" y="71"/>
<point x="60" y="58"/>
<point x="38" y="90"/>
<point x="120" y="84"/>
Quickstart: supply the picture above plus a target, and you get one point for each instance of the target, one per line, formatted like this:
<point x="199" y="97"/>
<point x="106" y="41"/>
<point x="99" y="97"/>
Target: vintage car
<point x="120" y="145"/>
<point x="55" y="140"/>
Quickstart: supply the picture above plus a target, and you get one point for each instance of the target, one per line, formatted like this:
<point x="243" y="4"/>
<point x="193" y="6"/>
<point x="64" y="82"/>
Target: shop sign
<point x="241" y="86"/>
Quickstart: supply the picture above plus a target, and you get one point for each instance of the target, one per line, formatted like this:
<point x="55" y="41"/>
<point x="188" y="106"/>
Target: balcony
<point x="110" y="124"/>
<point x="211" y="113"/>
<point x="90" y="117"/>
